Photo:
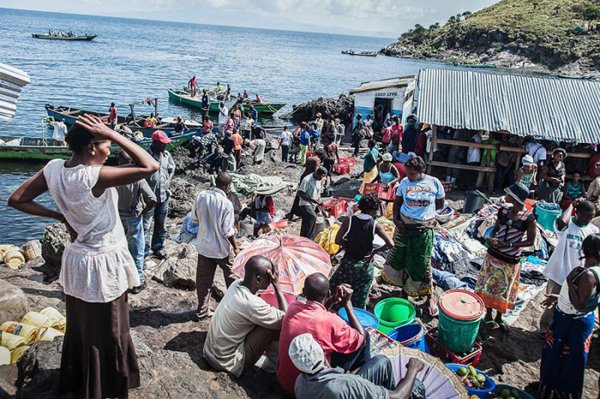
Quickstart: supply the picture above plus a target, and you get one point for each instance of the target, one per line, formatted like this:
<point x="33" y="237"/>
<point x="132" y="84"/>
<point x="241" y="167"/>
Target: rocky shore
<point x="168" y="340"/>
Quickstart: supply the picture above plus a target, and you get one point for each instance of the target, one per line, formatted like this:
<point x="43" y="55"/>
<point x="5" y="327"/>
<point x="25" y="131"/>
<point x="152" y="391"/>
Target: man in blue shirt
<point x="304" y="142"/>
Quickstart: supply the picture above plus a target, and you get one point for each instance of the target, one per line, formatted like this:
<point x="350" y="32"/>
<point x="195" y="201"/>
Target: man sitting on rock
<point x="375" y="379"/>
<point x="346" y="346"/>
<point x="244" y="325"/>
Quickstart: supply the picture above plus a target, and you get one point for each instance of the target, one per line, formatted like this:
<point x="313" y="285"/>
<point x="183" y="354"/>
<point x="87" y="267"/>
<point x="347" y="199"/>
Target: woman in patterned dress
<point x="498" y="280"/>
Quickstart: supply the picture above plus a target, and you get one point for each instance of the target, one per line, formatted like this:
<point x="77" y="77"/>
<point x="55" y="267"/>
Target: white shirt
<point x="238" y="313"/>
<point x="97" y="267"/>
<point x="286" y="138"/>
<point x="566" y="255"/>
<point x="215" y="217"/>
<point x="223" y="115"/>
<point x="564" y="302"/>
<point x="312" y="187"/>
<point x="537" y="151"/>
<point x="474" y="153"/>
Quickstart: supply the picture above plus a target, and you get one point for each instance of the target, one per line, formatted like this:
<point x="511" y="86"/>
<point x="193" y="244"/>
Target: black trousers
<point x="309" y="221"/>
<point x="285" y="149"/>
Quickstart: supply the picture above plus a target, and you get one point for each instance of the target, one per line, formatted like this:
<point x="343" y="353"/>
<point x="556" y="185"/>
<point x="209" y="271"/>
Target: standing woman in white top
<point x="568" y="339"/>
<point x="98" y="356"/>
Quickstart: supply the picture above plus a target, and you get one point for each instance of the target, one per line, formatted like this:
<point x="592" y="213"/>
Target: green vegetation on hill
<point x="552" y="33"/>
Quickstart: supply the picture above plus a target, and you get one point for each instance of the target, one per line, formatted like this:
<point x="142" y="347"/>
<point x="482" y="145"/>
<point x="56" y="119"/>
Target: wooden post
<point x="433" y="137"/>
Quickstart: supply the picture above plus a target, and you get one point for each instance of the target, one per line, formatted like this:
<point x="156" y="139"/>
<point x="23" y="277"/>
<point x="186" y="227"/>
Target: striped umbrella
<point x="295" y="258"/>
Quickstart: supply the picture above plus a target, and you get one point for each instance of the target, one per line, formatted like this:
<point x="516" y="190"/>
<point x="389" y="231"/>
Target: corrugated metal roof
<point x="12" y="81"/>
<point x="401" y="81"/>
<point x="558" y="109"/>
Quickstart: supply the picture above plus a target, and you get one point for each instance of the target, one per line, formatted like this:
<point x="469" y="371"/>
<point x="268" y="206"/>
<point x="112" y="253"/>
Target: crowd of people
<point x="117" y="218"/>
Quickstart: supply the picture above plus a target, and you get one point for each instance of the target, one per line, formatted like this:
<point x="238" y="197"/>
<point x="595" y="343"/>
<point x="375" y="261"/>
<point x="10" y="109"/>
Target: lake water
<point x="134" y="59"/>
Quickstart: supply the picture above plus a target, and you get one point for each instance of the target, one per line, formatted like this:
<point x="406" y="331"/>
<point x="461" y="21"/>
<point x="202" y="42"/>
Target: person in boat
<point x="150" y="121"/>
<point x="258" y="99"/>
<point x="193" y="86"/>
<point x="218" y="89"/>
<point x="246" y="96"/>
<point x="240" y="98"/>
<point x="113" y="115"/>
<point x="95" y="278"/>
<point x="180" y="126"/>
<point x="228" y="93"/>
<point x="205" y="102"/>
<point x="253" y="113"/>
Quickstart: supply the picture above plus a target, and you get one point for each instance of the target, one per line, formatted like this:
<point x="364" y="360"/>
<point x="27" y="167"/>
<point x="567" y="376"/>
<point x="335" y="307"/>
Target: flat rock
<point x="179" y="269"/>
<point x="13" y="302"/>
<point x="39" y="370"/>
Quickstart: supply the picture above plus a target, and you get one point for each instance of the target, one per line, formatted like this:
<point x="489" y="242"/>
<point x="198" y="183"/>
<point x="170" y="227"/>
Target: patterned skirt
<point x="498" y="284"/>
<point x="409" y="263"/>
<point x="359" y="275"/>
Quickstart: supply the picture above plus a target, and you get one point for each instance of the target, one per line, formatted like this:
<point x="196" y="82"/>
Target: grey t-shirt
<point x="335" y="384"/>
<point x="312" y="187"/>
<point x="133" y="199"/>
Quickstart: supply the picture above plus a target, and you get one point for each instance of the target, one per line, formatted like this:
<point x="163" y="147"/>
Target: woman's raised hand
<point x="95" y="126"/>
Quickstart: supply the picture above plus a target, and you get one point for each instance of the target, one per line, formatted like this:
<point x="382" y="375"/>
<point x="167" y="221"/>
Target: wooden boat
<point x="183" y="97"/>
<point x="42" y="149"/>
<point x="360" y="53"/>
<point x="47" y="36"/>
<point x="261" y="108"/>
<point x="69" y="115"/>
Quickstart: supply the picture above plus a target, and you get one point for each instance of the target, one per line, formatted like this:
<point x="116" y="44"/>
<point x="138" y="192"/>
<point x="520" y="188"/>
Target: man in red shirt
<point x="112" y="115"/>
<point x="344" y="345"/>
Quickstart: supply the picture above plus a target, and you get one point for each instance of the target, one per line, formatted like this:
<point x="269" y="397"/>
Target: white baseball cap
<point x="527" y="160"/>
<point x="306" y="354"/>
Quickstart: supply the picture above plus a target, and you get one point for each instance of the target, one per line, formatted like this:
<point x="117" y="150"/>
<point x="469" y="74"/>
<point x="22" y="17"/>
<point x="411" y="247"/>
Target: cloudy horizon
<point x="379" y="18"/>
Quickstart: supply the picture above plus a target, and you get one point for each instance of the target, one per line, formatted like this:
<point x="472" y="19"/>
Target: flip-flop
<point x="503" y="326"/>
<point x="492" y="325"/>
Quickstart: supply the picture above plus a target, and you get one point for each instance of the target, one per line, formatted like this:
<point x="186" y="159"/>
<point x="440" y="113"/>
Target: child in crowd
<point x="573" y="190"/>
<point x="527" y="173"/>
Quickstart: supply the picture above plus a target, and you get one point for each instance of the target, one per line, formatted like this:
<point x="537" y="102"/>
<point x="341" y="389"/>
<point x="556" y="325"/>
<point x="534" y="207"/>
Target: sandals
<point x="433" y="311"/>
<point x="503" y="326"/>
<point x="492" y="325"/>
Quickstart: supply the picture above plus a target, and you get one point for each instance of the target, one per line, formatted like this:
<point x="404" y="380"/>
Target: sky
<point x="382" y="18"/>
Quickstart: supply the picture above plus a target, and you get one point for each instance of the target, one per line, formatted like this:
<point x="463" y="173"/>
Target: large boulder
<point x="13" y="302"/>
<point x="179" y="269"/>
<point x="342" y="107"/>
<point x="39" y="370"/>
<point x="183" y="195"/>
<point x="56" y="237"/>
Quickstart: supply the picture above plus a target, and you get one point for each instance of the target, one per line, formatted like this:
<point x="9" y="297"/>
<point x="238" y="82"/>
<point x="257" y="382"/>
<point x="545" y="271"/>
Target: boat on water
<point x="69" y="36"/>
<point x="262" y="108"/>
<point x="183" y="97"/>
<point x="360" y="53"/>
<point x="69" y="115"/>
<point x="42" y="149"/>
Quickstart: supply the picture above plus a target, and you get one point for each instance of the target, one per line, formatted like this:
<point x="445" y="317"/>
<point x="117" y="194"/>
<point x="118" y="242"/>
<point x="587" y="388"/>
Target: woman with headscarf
<point x="553" y="178"/>
<point x="409" y="262"/>
<point x="370" y="165"/>
<point x="498" y="280"/>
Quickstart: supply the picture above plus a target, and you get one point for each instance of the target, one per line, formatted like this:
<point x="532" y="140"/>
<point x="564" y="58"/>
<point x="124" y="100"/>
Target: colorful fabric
<point x="409" y="263"/>
<point x="371" y="160"/>
<point x="498" y="284"/>
<point x="359" y="275"/>
<point x="527" y="178"/>
<point x="574" y="190"/>
<point x="419" y="197"/>
<point x="564" y="356"/>
<point x="368" y="177"/>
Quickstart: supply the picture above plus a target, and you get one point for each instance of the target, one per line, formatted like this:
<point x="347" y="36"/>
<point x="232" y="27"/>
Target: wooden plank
<point x="463" y="143"/>
<point x="463" y="166"/>
<point x="433" y="141"/>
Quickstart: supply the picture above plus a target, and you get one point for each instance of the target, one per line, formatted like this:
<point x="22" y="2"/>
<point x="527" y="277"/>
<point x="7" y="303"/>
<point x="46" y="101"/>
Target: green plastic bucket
<point x="546" y="218"/>
<point x="393" y="313"/>
<point x="460" y="314"/>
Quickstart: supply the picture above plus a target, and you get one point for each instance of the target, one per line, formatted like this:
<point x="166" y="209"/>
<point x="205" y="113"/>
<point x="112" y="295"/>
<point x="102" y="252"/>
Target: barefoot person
<point x="98" y="356"/>
<point x="498" y="280"/>
<point x="409" y="263"/>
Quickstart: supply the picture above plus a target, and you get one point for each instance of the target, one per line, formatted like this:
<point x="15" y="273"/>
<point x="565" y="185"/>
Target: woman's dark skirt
<point x="98" y="355"/>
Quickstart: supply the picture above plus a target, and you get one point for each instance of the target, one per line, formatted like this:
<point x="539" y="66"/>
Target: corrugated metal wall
<point x="557" y="109"/>
<point x="12" y="81"/>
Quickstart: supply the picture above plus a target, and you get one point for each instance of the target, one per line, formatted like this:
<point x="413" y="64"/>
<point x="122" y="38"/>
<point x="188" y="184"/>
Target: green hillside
<point x="557" y="34"/>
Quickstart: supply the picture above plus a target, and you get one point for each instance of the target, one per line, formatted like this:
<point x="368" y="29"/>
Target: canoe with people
<point x="60" y="35"/>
